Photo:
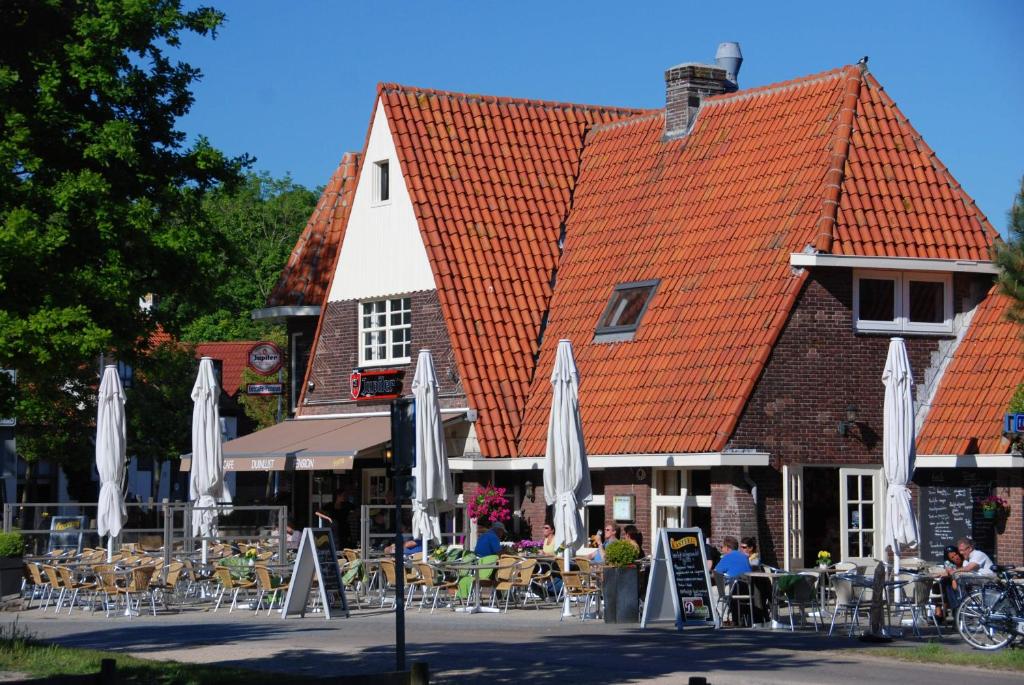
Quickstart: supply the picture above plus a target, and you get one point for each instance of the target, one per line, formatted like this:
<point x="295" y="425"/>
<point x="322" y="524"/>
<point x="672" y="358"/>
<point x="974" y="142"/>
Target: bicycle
<point x="992" y="616"/>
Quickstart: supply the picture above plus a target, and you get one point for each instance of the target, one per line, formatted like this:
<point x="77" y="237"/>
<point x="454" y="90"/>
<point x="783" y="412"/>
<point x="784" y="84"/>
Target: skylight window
<point x="625" y="309"/>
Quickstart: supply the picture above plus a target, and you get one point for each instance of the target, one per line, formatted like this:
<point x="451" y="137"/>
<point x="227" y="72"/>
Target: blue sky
<point x="293" y="83"/>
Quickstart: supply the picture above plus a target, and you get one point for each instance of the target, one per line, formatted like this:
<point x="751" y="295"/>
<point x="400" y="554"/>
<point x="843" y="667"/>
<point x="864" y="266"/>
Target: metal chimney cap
<point x="729" y="57"/>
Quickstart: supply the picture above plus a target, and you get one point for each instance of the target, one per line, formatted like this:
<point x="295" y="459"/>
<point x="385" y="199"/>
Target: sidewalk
<point x="522" y="645"/>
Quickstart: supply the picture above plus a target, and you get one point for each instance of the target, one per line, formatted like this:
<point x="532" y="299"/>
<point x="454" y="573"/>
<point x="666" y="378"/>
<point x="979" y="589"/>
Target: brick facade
<point x="337" y="354"/>
<point x="625" y="482"/>
<point x="818" y="367"/>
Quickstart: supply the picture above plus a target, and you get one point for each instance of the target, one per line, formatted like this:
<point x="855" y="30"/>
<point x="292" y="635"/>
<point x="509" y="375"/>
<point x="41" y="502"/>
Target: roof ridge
<point x="838" y="156"/>
<point x="501" y="99"/>
<point x="778" y="87"/>
<point x="640" y="118"/>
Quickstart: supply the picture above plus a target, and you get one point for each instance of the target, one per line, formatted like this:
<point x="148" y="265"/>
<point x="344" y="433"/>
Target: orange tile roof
<point x="715" y="216"/>
<point x="306" y="276"/>
<point x="966" y="416"/>
<point x="234" y="357"/>
<point x="491" y="181"/>
<point x="898" y="199"/>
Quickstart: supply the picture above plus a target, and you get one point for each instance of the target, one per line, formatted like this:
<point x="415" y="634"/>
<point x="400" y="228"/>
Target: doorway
<point x="821" y="525"/>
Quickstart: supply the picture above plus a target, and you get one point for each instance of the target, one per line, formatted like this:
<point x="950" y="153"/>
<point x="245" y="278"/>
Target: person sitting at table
<point x="611" y="534"/>
<point x="633" y="536"/>
<point x="549" y="547"/>
<point x="975" y="561"/>
<point x="749" y="547"/>
<point x="410" y="543"/>
<point x="733" y="562"/>
<point x="948" y="585"/>
<point x="488" y="542"/>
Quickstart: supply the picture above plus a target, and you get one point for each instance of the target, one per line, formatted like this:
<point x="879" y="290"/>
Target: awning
<point x="304" y="445"/>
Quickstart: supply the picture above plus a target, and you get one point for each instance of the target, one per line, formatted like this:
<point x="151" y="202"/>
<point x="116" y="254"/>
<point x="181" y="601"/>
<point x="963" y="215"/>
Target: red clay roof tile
<point x="307" y="275"/>
<point x="966" y="415"/>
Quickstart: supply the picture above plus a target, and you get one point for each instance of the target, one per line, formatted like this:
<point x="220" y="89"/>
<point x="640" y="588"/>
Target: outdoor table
<point x="475" y="569"/>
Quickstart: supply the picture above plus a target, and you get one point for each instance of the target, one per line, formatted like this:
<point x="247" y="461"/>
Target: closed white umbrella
<point x="566" y="474"/>
<point x="898" y="449"/>
<point x="435" y="493"/>
<point x="206" y="482"/>
<point x="110" y="457"/>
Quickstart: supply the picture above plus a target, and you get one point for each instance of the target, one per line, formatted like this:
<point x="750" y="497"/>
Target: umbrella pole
<point x="110" y="548"/>
<point x="566" y="608"/>
<point x="205" y="550"/>
<point x="896" y="573"/>
<point x="424" y="548"/>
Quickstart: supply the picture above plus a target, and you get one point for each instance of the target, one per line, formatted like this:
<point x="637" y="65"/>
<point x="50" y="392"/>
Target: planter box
<point x="10" y="575"/>
<point x="621" y="594"/>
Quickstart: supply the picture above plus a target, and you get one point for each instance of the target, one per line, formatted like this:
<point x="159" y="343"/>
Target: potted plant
<point x="621" y="586"/>
<point x="824" y="559"/>
<point x="993" y="506"/>
<point x="12" y="549"/>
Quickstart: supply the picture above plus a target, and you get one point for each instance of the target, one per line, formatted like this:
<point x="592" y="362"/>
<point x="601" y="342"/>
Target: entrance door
<point x="793" y="515"/>
<point x="860" y="513"/>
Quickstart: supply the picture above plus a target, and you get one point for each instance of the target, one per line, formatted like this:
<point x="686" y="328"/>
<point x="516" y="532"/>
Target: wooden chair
<point x="53" y="580"/>
<point x="73" y="586"/>
<point x="229" y="584"/>
<point x="522" y="580"/>
<point x="388" y="579"/>
<point x="35" y="583"/>
<point x="138" y="588"/>
<point x="431" y="580"/>
<point x="502" y="575"/>
<point x="266" y="586"/>
<point x="106" y="584"/>
<point x="575" y="585"/>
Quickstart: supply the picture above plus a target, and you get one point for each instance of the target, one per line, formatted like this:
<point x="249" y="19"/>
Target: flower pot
<point x="621" y="591"/>
<point x="988" y="513"/>
<point x="10" y="575"/>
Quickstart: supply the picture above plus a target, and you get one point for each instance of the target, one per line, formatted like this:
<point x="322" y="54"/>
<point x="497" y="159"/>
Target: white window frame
<point x="901" y="302"/>
<point x="387" y="330"/>
<point x="876" y="503"/>
<point x="377" y="201"/>
<point x="682" y="500"/>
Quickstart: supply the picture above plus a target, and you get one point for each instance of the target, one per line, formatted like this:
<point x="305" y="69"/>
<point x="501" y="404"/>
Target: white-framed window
<point x="902" y="301"/>
<point x="381" y="182"/>
<point x="860" y="514"/>
<point x="385" y="331"/>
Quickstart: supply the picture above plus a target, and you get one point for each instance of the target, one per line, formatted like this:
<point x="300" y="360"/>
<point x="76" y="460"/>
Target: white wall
<point x="383" y="252"/>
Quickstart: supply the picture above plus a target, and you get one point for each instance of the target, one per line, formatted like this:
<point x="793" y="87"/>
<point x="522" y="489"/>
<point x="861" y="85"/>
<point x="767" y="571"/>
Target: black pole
<point x="399" y="575"/>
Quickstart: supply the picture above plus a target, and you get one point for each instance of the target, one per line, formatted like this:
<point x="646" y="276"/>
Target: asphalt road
<point x="521" y="646"/>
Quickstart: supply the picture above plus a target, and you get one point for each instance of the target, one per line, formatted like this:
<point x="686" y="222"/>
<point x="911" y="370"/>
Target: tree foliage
<point x="100" y="198"/>
<point x="257" y="224"/>
<point x="1009" y="257"/>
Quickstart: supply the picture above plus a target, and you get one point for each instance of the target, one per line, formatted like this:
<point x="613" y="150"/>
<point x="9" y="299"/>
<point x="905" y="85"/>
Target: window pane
<point x="854" y="540"/>
<point x="867" y="519"/>
<point x="367" y="309"/>
<point x="625" y="307"/>
<point x="851" y="488"/>
<point x="853" y="518"/>
<point x="867" y="549"/>
<point x="384" y="190"/>
<point x="865" y="488"/>
<point x="700" y="482"/>
<point x="396" y="318"/>
<point x="926" y="302"/>
<point x="877" y="299"/>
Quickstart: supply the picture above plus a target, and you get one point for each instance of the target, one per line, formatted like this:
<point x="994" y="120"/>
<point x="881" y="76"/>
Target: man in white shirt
<point x="975" y="561"/>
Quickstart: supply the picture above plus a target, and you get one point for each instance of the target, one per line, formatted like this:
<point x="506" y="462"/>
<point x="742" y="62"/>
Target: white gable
<point x="383" y="252"/>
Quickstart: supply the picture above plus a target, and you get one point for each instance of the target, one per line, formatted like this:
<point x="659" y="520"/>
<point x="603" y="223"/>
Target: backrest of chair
<point x="426" y="573"/>
<point x="526" y="570"/>
<point x="51" y="576"/>
<point x="263" y="577"/>
<point x="845" y="567"/>
<point x="350" y="554"/>
<point x="141" y="575"/>
<point x="572" y="580"/>
<point x="265" y="556"/>
<point x="583" y="564"/>
<point x="107" y="579"/>
<point x="223" y="576"/>
<point x="66" y="576"/>
<point x="37" y="576"/>
<point x="865" y="565"/>
<point x="805" y="588"/>
<point x="387" y="566"/>
<point x="174" y="570"/>
<point x="921" y="591"/>
<point x="843" y="587"/>
<point x="506" y="568"/>
<point x="720" y="583"/>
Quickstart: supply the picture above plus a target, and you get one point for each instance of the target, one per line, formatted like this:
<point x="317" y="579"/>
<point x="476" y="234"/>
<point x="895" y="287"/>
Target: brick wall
<point x="337" y="354"/>
<point x="625" y="482"/>
<point x="732" y="506"/>
<point x="1010" y="533"/>
<point x="818" y="367"/>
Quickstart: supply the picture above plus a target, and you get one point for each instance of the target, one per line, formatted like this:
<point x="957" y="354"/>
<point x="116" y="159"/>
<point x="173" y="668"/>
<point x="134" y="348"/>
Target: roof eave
<point x="969" y="461"/>
<point x="800" y="259"/>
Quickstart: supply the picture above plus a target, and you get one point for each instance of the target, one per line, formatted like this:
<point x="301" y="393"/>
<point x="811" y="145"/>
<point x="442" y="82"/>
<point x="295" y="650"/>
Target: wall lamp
<point x="530" y="495"/>
<point x="849" y="422"/>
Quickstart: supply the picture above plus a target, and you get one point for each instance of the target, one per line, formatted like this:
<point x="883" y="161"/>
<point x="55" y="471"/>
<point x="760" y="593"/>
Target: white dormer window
<point x="385" y="331"/>
<point x="381" y="182"/>
<point x="902" y="301"/>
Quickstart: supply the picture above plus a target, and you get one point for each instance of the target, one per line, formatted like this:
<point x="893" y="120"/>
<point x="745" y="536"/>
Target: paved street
<point x="521" y="646"/>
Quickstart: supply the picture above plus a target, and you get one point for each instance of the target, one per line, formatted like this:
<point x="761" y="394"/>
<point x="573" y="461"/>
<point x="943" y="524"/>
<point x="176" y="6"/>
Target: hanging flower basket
<point x="489" y="504"/>
<point x="993" y="506"/>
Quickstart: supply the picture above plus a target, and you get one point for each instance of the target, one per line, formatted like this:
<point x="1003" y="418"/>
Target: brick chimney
<point x="689" y="83"/>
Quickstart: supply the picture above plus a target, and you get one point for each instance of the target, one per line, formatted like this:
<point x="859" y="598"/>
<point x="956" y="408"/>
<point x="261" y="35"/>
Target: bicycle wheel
<point x="973" y="619"/>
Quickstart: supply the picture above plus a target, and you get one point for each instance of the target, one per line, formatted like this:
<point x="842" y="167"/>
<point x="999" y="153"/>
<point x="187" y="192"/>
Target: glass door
<point x="793" y="515"/>
<point x="860" y="502"/>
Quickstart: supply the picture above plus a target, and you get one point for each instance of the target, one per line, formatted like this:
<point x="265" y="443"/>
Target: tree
<point x="257" y="224"/>
<point x="100" y="198"/>
<point x="1009" y="258"/>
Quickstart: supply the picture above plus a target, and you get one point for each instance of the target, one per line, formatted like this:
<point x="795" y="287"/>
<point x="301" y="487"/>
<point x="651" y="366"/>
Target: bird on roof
<point x="863" y="61"/>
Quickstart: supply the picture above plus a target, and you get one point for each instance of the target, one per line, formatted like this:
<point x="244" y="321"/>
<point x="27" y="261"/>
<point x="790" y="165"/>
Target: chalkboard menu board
<point x="947" y="511"/>
<point x="679" y="588"/>
<point x="66" y="533"/>
<point x="317" y="557"/>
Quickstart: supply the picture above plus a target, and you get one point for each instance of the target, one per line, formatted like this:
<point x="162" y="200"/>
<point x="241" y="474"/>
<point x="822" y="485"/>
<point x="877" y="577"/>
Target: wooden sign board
<point x="317" y="557"/>
<point x="679" y="588"/>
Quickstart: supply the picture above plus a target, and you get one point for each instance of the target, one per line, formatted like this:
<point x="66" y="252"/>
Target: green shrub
<point x="1017" y="401"/>
<point x="11" y="545"/>
<point x="620" y="553"/>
